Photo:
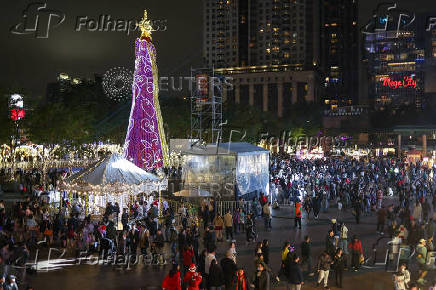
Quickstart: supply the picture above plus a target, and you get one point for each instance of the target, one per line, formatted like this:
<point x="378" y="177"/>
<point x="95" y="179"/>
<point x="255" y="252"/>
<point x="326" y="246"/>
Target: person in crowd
<point x="401" y="278"/>
<point x="192" y="278"/>
<point x="215" y="279"/>
<point x="267" y="216"/>
<point x="172" y="281"/>
<point x="285" y="251"/>
<point x="421" y="258"/>
<point x="294" y="273"/>
<point x="265" y="251"/>
<point x="188" y="257"/>
<point x="298" y="214"/>
<point x="330" y="242"/>
<point x="355" y="246"/>
<point x="241" y="281"/>
<point x="232" y="250"/>
<point x="381" y="220"/>
<point x="218" y="223"/>
<point x="339" y="265"/>
<point x="262" y="280"/>
<point x="306" y="254"/>
<point x="210" y="256"/>
<point x="324" y="264"/>
<point x="229" y="269"/>
<point x="228" y="223"/>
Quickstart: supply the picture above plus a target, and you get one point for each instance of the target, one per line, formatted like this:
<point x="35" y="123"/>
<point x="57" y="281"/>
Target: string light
<point x="117" y="83"/>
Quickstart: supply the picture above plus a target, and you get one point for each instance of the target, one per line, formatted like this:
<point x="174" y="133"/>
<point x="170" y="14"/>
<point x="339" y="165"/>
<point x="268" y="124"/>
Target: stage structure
<point x="206" y="106"/>
<point x="226" y="171"/>
<point x="145" y="143"/>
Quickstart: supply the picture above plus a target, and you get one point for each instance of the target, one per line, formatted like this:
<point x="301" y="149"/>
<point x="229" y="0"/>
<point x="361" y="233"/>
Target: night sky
<point x="30" y="63"/>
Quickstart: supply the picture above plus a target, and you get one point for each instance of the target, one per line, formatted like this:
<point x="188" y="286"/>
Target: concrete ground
<point x="150" y="277"/>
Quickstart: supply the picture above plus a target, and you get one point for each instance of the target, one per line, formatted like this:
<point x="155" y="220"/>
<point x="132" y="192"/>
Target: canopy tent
<point x="113" y="174"/>
<point x="112" y="179"/>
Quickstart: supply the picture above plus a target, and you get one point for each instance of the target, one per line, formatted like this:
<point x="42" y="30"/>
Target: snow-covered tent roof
<point x="112" y="174"/>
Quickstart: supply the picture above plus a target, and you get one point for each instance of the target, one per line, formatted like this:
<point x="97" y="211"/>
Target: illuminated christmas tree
<point x="145" y="143"/>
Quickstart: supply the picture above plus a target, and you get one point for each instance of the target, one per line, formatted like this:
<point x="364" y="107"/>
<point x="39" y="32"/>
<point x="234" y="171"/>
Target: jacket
<point x="218" y="222"/>
<point x="228" y="220"/>
<point x="294" y="273"/>
<point x="172" y="283"/>
<point x="266" y="210"/>
<point x="339" y="263"/>
<point x="216" y="276"/>
<point x="187" y="257"/>
<point x="298" y="211"/>
<point x="241" y="283"/>
<point x="229" y="268"/>
<point x="262" y="281"/>
<point x="305" y="250"/>
<point x="192" y="280"/>
<point x="324" y="262"/>
<point x="355" y="247"/>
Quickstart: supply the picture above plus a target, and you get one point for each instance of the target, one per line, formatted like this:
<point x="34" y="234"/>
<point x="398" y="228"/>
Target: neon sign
<point x="407" y="82"/>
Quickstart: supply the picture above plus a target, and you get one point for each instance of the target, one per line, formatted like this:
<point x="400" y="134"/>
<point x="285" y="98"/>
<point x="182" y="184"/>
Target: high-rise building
<point x="395" y="61"/>
<point x="240" y="33"/>
<point x="270" y="48"/>
<point x="339" y="67"/>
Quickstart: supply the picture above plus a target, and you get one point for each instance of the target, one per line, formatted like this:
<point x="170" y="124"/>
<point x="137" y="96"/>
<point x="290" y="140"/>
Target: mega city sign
<point x="407" y="82"/>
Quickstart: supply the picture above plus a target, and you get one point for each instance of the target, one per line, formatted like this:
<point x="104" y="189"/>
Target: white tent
<point x="112" y="179"/>
<point x="111" y="175"/>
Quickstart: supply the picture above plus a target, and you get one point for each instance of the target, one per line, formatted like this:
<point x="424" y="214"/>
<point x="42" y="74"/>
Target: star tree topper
<point x="145" y="27"/>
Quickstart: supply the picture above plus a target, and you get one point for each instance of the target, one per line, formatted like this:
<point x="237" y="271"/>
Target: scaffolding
<point x="206" y="106"/>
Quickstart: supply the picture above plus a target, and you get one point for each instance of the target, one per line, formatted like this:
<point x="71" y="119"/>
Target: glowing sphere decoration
<point x="16" y="100"/>
<point x="117" y="84"/>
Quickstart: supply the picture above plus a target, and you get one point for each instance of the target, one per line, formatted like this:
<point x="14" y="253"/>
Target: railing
<point x="223" y="206"/>
<point x="404" y="253"/>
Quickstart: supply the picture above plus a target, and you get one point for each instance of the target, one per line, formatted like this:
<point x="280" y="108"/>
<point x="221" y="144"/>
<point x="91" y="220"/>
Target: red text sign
<point x="407" y="82"/>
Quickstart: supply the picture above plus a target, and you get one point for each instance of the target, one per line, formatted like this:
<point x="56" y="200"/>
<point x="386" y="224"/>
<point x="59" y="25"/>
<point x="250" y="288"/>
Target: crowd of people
<point x="400" y="196"/>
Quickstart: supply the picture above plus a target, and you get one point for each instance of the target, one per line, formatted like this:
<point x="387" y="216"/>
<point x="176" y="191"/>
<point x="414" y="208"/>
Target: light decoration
<point x="16" y="101"/>
<point x="17" y="114"/>
<point x="407" y="82"/>
<point x="145" y="143"/>
<point x="117" y="83"/>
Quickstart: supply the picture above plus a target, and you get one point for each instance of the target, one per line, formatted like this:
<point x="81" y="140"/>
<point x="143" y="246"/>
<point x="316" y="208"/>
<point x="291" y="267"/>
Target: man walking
<point x="267" y="215"/>
<point x="381" y="220"/>
<point x="324" y="263"/>
<point x="228" y="223"/>
<point x="306" y="249"/>
<point x="294" y="274"/>
<point x="298" y="214"/>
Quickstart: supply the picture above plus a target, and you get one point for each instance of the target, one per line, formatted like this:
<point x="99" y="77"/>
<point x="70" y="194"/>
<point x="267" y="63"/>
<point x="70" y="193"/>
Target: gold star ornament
<point x="145" y="27"/>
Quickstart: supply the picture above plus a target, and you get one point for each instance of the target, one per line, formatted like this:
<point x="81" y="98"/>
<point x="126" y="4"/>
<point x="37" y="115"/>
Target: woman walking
<point x="356" y="252"/>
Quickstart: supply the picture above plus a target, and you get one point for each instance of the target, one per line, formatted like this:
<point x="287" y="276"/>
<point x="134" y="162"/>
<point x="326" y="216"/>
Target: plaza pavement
<point x="150" y="277"/>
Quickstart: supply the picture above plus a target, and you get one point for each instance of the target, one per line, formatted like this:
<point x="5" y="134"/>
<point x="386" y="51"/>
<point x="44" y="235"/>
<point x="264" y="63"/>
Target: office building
<point x="339" y="67"/>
